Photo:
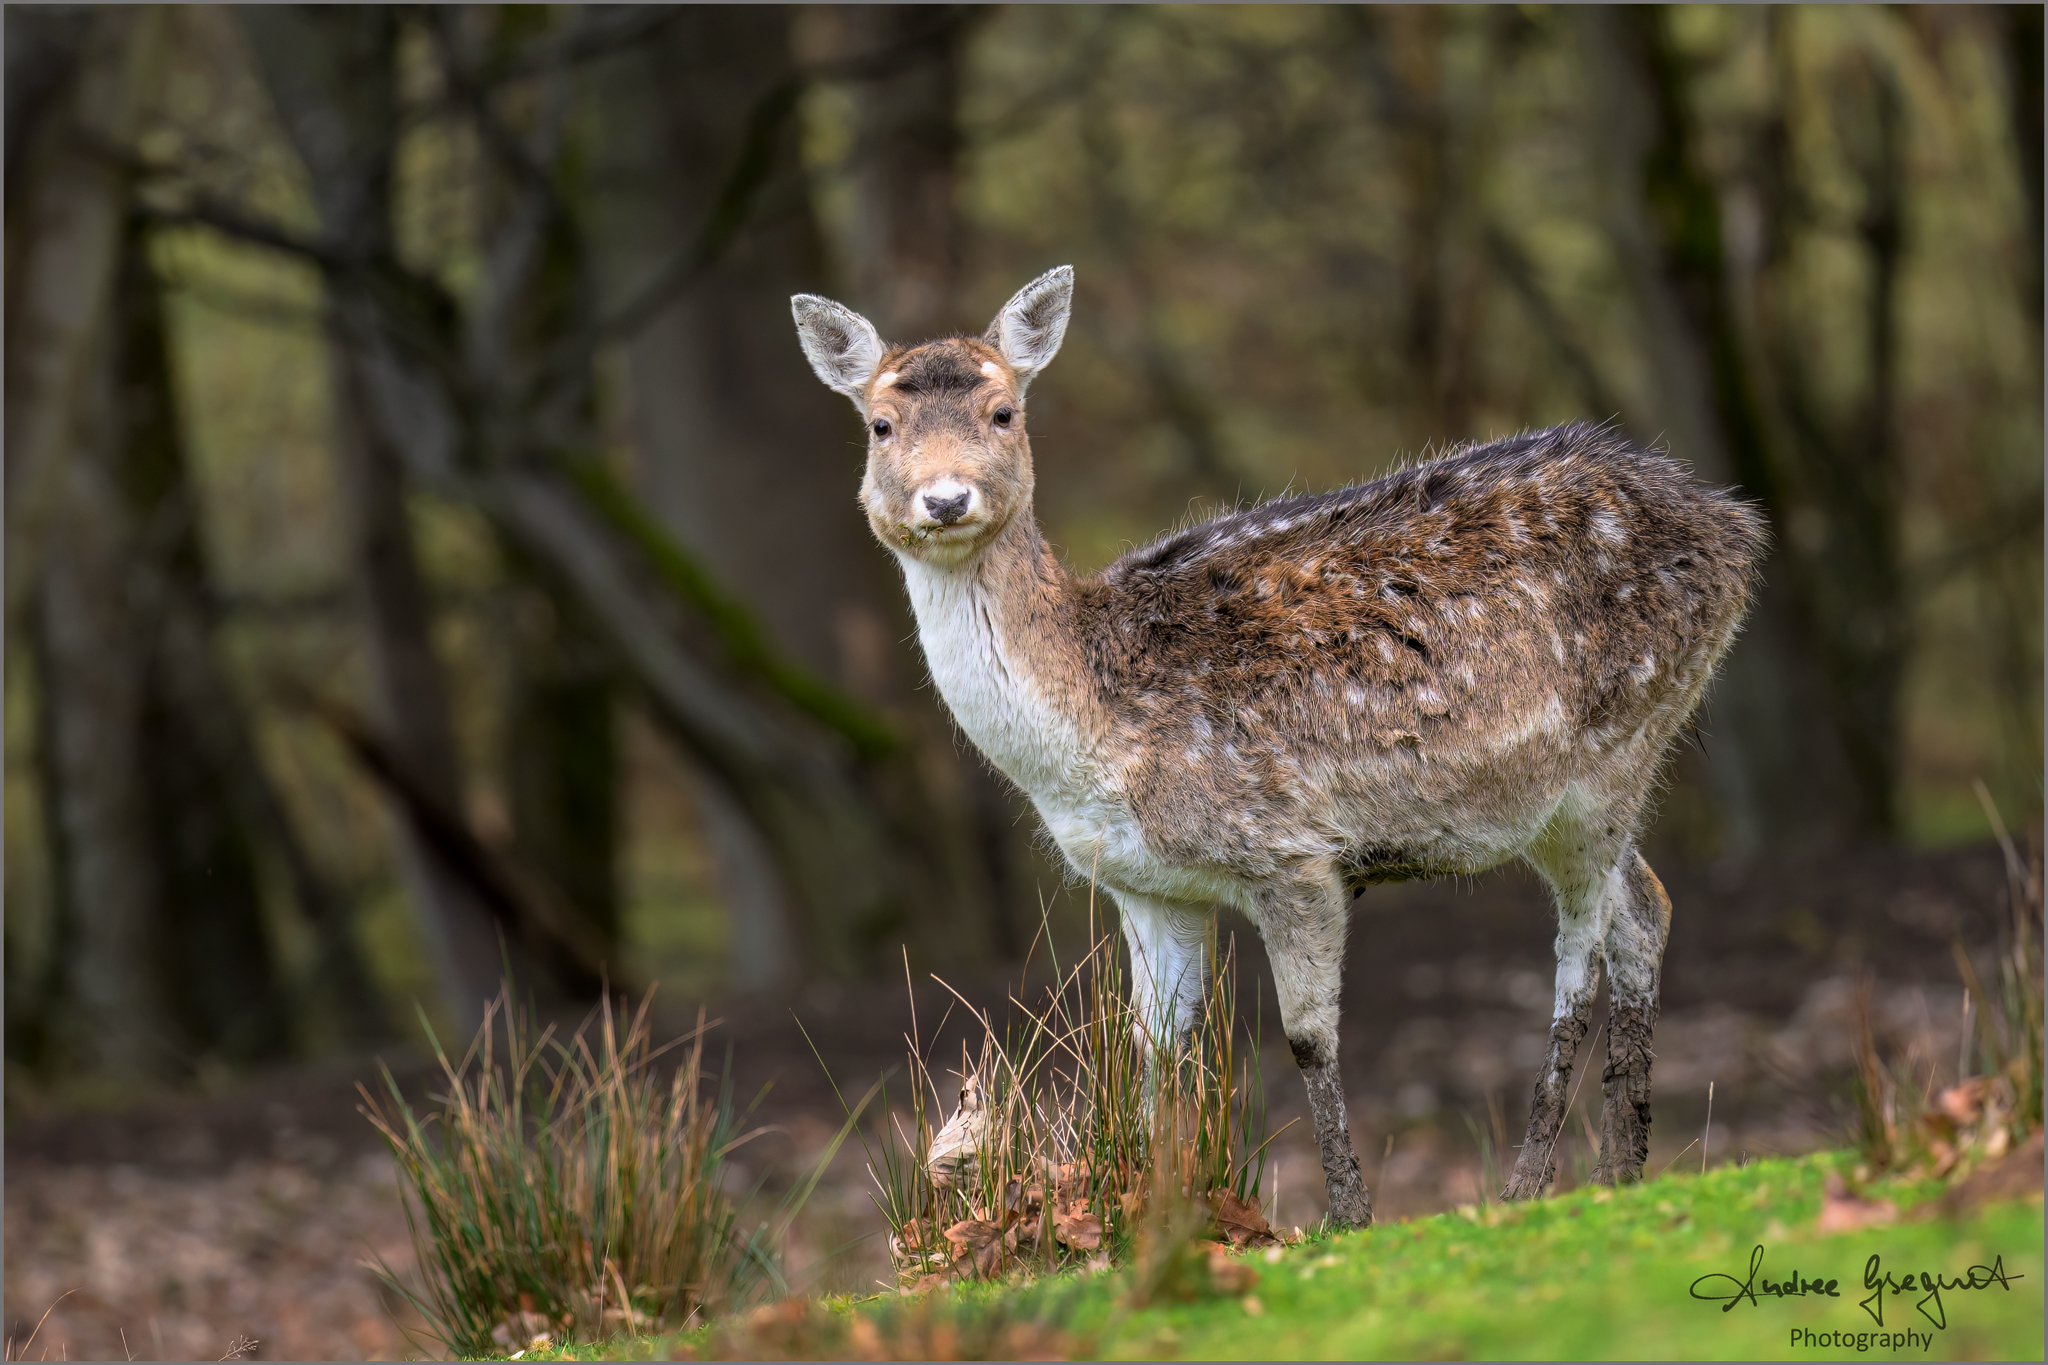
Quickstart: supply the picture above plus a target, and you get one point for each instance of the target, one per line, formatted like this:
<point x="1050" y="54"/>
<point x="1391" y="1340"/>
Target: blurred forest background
<point x="423" y="532"/>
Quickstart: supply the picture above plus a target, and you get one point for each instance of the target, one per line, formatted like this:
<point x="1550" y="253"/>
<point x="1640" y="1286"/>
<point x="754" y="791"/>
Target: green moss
<point x="1590" y="1274"/>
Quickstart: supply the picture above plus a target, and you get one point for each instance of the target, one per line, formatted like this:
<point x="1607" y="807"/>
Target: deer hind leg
<point x="1302" y="925"/>
<point x="1634" y="949"/>
<point x="1578" y="981"/>
<point x="1168" y="972"/>
<point x="1584" y="868"/>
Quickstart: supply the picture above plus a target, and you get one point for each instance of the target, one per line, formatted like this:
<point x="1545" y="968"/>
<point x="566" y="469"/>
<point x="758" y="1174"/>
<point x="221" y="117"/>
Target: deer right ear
<point x="842" y="346"/>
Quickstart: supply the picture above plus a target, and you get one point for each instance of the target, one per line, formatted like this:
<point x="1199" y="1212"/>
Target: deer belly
<point x="1105" y="844"/>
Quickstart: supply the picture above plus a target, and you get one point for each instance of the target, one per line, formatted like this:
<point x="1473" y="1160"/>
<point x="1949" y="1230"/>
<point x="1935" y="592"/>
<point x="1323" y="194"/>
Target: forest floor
<point x="179" y="1226"/>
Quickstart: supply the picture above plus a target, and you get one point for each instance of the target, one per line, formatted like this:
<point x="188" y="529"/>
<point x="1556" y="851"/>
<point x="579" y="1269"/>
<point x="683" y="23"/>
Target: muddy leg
<point x="1302" y="924"/>
<point x="1350" y="1201"/>
<point x="1536" y="1166"/>
<point x="1584" y="865"/>
<point x="1634" y="950"/>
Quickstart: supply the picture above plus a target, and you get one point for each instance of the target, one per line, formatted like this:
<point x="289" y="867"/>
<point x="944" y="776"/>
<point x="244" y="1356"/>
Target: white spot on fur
<point x="991" y="369"/>
<point x="885" y="379"/>
<point x="1607" y="529"/>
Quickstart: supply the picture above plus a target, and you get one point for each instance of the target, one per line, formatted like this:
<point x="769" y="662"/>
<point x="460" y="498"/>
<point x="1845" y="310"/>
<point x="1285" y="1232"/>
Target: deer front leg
<point x="1303" y="928"/>
<point x="1578" y="981"/>
<point x="1168" y="975"/>
<point x="1634" y="949"/>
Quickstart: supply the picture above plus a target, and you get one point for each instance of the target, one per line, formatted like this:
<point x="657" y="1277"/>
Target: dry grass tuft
<point x="566" y="1189"/>
<point x="1057" y="1156"/>
<point x="1994" y="1106"/>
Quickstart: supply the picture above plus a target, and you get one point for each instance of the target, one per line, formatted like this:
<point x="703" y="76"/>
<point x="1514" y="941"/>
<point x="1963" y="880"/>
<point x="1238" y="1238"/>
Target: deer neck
<point x="999" y="635"/>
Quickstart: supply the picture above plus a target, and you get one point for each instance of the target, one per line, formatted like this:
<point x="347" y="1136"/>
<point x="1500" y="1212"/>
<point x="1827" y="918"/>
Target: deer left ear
<point x="1031" y="326"/>
<point x="842" y="346"/>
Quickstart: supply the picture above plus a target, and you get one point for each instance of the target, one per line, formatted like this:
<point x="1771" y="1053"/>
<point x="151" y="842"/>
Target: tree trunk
<point x="1836" y="491"/>
<point x="901" y="246"/>
<point x="212" y="946"/>
<point x="66" y="203"/>
<point x="156" y="804"/>
<point x="122" y="1018"/>
<point x="2023" y="51"/>
<point x="331" y="74"/>
<point x="561" y="760"/>
<point x="165" y="950"/>
<point x="1775" y="782"/>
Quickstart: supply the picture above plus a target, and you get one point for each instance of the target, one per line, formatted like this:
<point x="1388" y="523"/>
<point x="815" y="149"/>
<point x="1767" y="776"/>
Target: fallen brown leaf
<point x="1964" y="1102"/>
<point x="1844" y="1210"/>
<point x="1080" y="1230"/>
<point x="2014" y="1176"/>
<point x="1240" y="1221"/>
<point x="971" y="1234"/>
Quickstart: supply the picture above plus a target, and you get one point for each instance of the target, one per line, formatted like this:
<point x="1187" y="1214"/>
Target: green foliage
<point x="567" y="1189"/>
<point x="1596" y="1274"/>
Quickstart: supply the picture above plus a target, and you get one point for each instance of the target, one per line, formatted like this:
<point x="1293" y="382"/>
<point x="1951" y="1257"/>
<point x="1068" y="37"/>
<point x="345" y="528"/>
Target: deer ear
<point x="842" y="346"/>
<point x="1031" y="326"/>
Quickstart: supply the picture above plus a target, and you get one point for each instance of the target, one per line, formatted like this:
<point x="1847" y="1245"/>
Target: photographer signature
<point x="1880" y="1281"/>
<point x="1793" y="1286"/>
<point x="1728" y="1291"/>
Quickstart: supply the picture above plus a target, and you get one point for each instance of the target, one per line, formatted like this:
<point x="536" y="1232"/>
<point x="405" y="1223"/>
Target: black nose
<point x="946" y="511"/>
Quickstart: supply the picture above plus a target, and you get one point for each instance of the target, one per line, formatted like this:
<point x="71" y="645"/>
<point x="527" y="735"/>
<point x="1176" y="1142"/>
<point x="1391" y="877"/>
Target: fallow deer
<point x="1477" y="658"/>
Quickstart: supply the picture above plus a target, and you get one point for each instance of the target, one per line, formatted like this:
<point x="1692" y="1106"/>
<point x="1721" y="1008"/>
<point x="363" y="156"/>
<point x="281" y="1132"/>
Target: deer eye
<point x="1003" y="416"/>
<point x="881" y="428"/>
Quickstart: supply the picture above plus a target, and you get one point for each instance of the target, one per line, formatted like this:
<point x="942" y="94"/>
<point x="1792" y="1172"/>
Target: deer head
<point x="949" y="464"/>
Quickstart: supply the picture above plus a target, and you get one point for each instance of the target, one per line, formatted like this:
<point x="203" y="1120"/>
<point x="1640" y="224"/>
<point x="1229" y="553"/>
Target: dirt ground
<point x="188" y="1225"/>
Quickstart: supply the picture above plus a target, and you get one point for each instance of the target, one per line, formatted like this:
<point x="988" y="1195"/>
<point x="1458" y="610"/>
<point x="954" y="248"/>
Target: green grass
<point x="1589" y="1274"/>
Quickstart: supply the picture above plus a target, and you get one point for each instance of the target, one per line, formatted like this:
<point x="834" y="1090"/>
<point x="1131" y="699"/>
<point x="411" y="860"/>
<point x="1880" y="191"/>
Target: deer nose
<point x="946" y="511"/>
